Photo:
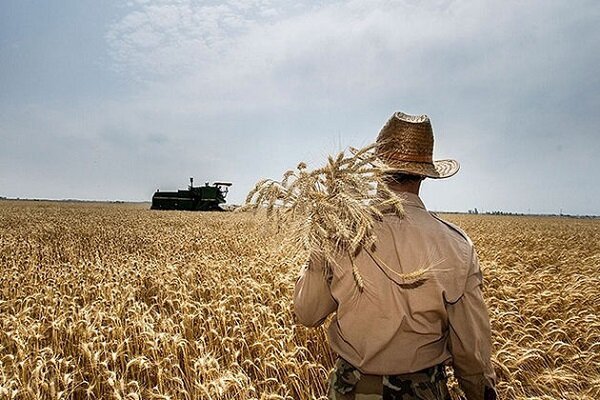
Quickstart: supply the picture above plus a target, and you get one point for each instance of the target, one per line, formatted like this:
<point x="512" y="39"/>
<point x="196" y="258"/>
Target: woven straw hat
<point x="405" y="144"/>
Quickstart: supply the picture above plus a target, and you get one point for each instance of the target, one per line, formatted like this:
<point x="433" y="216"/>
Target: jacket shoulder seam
<point x="466" y="250"/>
<point x="454" y="228"/>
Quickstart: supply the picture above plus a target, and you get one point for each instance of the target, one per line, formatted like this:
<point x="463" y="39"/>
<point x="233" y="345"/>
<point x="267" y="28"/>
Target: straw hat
<point x="405" y="144"/>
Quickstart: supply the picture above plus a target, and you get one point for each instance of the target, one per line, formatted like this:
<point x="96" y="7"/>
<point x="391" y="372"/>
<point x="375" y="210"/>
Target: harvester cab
<point x="223" y="187"/>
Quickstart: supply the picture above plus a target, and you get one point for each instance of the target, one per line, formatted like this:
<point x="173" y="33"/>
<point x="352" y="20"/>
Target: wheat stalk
<point x="333" y="209"/>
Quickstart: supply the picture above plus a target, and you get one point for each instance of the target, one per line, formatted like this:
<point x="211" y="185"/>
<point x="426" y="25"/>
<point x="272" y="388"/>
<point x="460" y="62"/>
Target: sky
<point x="110" y="100"/>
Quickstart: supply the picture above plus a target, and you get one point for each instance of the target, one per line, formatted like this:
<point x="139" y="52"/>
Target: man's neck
<point x="409" y="187"/>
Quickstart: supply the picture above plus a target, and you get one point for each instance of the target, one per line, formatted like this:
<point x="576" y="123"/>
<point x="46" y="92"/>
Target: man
<point x="393" y="339"/>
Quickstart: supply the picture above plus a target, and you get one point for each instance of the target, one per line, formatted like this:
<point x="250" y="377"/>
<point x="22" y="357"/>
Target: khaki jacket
<point x="392" y="329"/>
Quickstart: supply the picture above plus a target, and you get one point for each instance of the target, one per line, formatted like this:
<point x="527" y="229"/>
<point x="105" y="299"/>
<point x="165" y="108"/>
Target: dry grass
<point x="116" y="302"/>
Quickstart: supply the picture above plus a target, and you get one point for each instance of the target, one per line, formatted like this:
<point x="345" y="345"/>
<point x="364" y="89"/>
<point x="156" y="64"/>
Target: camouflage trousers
<point x="347" y="383"/>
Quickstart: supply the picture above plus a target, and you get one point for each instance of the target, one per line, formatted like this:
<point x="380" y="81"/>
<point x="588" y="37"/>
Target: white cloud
<point x="157" y="39"/>
<point x="271" y="49"/>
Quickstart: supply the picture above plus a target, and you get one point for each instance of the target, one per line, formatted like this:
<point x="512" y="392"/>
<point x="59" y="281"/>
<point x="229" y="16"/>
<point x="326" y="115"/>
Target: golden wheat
<point x="120" y="302"/>
<point x="331" y="211"/>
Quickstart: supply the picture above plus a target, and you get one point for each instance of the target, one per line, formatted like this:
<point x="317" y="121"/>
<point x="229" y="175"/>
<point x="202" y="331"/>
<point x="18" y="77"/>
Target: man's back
<point x="392" y="328"/>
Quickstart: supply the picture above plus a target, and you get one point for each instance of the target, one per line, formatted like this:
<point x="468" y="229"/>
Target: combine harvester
<point x="201" y="198"/>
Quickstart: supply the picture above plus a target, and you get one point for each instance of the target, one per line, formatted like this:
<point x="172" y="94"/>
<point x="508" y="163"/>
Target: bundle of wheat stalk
<point x="332" y="210"/>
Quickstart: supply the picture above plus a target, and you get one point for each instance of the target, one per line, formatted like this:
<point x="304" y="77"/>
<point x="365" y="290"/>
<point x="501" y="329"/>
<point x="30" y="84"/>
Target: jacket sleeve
<point x="312" y="296"/>
<point x="470" y="339"/>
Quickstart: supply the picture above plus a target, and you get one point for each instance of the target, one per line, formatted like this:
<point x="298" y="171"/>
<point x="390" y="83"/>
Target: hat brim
<point x="437" y="170"/>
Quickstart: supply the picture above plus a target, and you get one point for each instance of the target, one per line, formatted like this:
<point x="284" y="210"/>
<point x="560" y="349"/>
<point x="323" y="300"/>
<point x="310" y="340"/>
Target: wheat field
<point x="114" y="301"/>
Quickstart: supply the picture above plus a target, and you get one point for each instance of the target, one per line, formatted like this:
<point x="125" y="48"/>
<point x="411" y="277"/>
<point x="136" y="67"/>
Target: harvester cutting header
<point x="199" y="198"/>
